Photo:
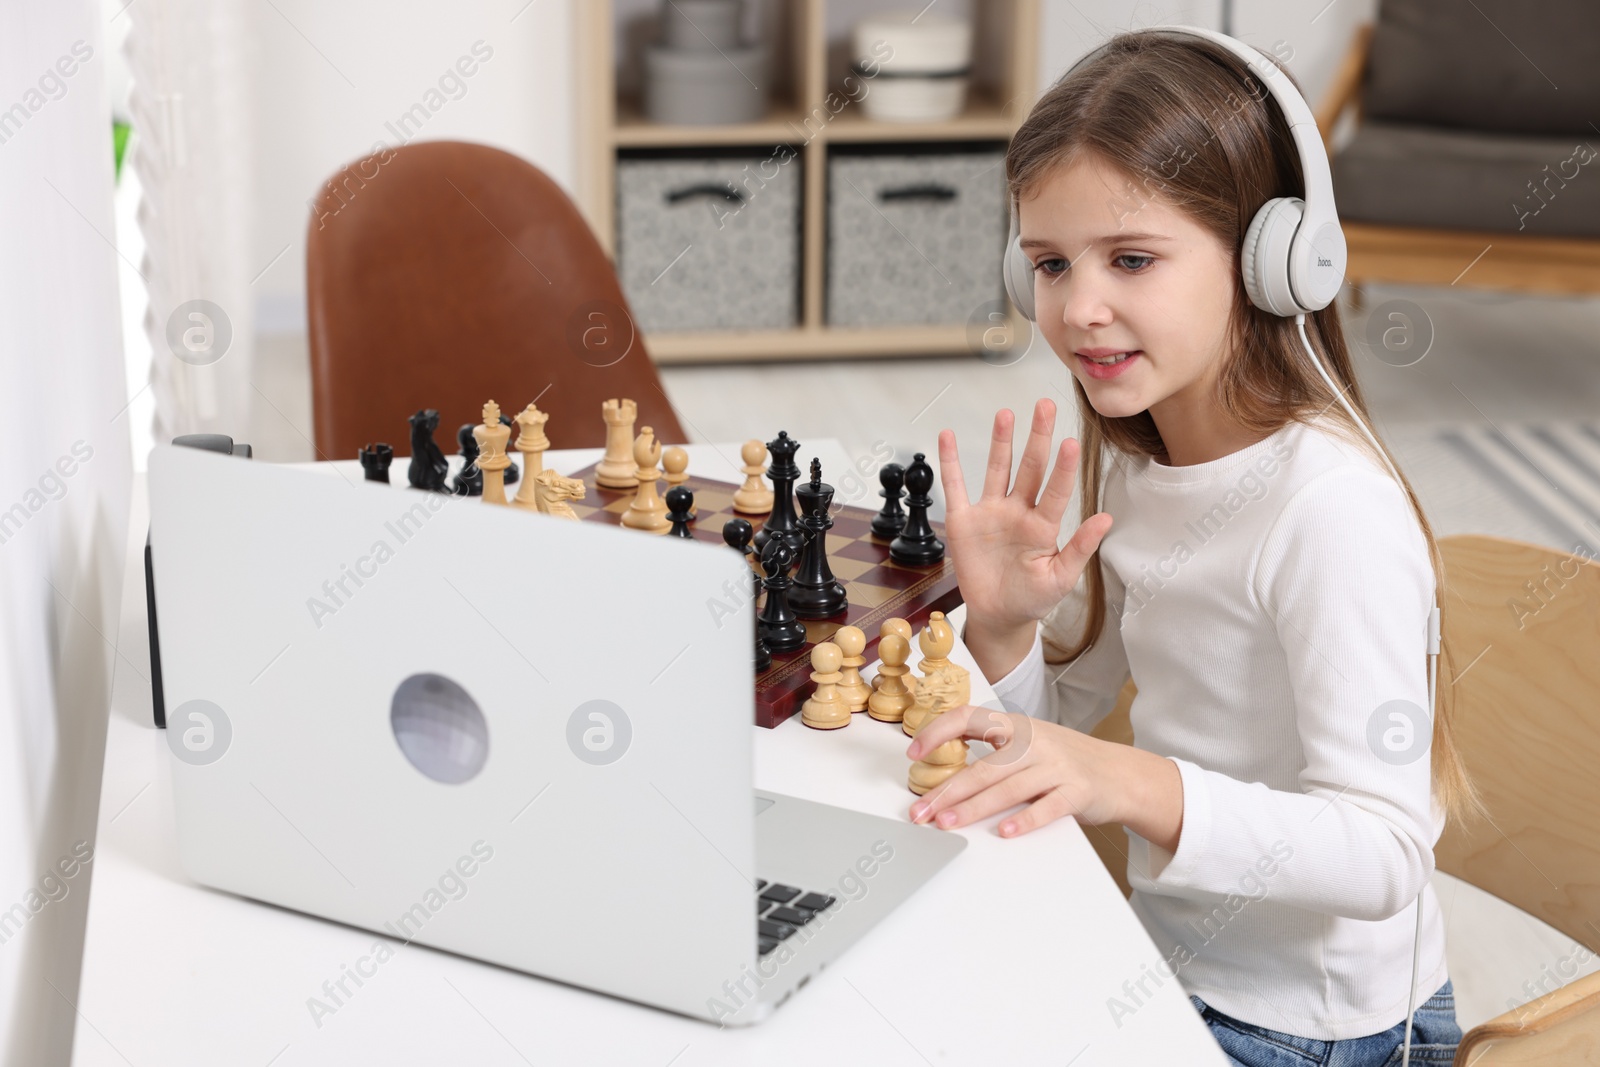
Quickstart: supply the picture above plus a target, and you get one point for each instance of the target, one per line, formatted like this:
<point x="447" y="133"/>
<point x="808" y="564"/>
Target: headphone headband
<point x="1293" y="256"/>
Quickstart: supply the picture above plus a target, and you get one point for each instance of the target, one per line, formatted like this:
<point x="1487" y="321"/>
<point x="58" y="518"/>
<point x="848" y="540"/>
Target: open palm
<point x="1003" y="547"/>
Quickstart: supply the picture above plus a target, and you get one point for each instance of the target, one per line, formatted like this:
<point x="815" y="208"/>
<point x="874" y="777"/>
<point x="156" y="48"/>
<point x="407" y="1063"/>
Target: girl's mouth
<point x="1107" y="367"/>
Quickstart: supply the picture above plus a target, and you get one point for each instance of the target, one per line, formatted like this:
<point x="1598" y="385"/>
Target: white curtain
<point x="65" y="487"/>
<point x="191" y="114"/>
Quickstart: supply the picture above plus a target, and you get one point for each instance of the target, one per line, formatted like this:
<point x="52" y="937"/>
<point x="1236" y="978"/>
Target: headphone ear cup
<point x="1018" y="273"/>
<point x="1264" y="256"/>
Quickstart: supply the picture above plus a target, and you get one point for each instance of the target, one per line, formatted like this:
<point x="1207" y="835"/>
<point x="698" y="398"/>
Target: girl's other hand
<point x="1053" y="767"/>
<point x="1003" y="548"/>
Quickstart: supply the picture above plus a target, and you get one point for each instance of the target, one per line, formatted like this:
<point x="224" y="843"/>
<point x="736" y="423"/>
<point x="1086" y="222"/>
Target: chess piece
<point x="492" y="458"/>
<point x="903" y="628"/>
<point x="887" y="523"/>
<point x="916" y="545"/>
<point x="783" y="474"/>
<point x="824" y="710"/>
<point x="675" y="462"/>
<point x="891" y="699"/>
<point x="891" y="626"/>
<point x="375" y="460"/>
<point x="936" y="641"/>
<point x="852" y="690"/>
<point x="817" y="594"/>
<point x="779" y="628"/>
<point x="428" y="464"/>
<point x="680" y="509"/>
<point x="469" y="479"/>
<point x="648" y="511"/>
<point x="553" y="491"/>
<point x="615" y="471"/>
<point x="753" y="497"/>
<point x="532" y="443"/>
<point x="511" y="469"/>
<point x="737" y="534"/>
<point x="937" y="694"/>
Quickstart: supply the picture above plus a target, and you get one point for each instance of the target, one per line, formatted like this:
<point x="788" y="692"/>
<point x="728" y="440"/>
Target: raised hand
<point x="1003" y="547"/>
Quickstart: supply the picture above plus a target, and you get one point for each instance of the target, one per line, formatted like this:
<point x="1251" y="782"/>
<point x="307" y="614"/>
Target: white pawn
<point x="754" y="497"/>
<point x="825" y="710"/>
<point x="852" y="642"/>
<point x="891" y="699"/>
<point x="675" y="461"/>
<point x="903" y="628"/>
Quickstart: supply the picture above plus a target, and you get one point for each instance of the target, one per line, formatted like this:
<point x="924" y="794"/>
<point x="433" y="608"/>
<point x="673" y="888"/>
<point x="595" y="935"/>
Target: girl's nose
<point x="1082" y="296"/>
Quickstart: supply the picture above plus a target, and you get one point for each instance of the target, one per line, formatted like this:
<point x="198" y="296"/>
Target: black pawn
<point x="428" y="466"/>
<point x="680" y="509"/>
<point x="778" y="626"/>
<point x="375" y="460"/>
<point x="917" y="546"/>
<point x="783" y="474"/>
<point x="817" y="594"/>
<point x="469" y="480"/>
<point x="512" y="472"/>
<point x="892" y="519"/>
<point x="737" y="534"/>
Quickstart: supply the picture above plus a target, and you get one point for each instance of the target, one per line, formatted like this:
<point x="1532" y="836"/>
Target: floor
<point x="1497" y="370"/>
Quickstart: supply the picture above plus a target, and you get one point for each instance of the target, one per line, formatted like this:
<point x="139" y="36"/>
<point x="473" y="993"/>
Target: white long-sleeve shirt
<point x="1268" y="604"/>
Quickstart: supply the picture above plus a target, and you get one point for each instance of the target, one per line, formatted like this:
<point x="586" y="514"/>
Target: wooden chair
<point x="1524" y="627"/>
<point x="1500" y="260"/>
<point x="442" y="275"/>
<point x="1525" y="623"/>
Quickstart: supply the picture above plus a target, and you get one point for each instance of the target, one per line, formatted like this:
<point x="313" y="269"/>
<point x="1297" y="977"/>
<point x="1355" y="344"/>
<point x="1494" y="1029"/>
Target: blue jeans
<point x="1434" y="1037"/>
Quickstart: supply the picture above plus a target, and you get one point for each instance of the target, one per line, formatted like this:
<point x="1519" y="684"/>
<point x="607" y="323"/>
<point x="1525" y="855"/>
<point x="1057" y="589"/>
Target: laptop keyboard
<point x="783" y="909"/>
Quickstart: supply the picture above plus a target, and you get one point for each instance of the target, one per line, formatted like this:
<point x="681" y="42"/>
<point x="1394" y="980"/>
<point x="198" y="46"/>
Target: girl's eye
<point x="1050" y="267"/>
<point x="1144" y="261"/>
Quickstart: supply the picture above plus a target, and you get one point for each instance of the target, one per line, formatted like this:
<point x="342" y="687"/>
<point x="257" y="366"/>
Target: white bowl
<point x="914" y="99"/>
<point x="915" y="43"/>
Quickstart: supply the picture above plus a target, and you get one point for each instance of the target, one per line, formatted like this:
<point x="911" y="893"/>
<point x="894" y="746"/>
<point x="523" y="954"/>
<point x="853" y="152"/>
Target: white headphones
<point x="1293" y="257"/>
<point x="1293" y="261"/>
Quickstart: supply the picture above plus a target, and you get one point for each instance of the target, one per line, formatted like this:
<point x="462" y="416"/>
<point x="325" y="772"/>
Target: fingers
<point x="1047" y="809"/>
<point x="955" y="486"/>
<point x="1036" y="453"/>
<point x="1074" y="555"/>
<point x="981" y="794"/>
<point x="997" y="476"/>
<point x="1011" y="736"/>
<point x="1059" y="488"/>
<point x="950" y="725"/>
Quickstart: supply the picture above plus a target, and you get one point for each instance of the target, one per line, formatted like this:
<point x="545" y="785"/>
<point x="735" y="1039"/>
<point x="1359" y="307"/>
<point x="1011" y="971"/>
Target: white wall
<point x="327" y="77"/>
<point x="1317" y="31"/>
<point x="64" y="489"/>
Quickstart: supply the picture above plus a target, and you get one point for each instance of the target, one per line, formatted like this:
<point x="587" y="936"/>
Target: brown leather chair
<point x="443" y="274"/>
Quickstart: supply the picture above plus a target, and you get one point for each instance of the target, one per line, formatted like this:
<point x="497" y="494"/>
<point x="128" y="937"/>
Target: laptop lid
<point x="507" y="735"/>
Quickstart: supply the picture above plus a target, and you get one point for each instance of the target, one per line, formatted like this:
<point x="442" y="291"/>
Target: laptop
<point x="506" y="735"/>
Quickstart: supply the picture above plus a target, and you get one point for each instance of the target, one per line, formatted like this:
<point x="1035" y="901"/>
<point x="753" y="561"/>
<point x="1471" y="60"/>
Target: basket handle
<point x="726" y="192"/>
<point x="924" y="191"/>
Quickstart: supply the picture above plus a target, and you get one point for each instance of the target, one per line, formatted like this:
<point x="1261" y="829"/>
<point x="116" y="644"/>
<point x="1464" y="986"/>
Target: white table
<point x="1008" y="956"/>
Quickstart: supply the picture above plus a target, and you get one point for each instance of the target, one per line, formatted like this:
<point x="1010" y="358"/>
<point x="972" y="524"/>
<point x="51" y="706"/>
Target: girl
<point x="1267" y="583"/>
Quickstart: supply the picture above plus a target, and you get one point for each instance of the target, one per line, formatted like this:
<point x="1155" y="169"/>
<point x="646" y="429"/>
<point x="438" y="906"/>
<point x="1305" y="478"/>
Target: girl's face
<point x="1143" y="278"/>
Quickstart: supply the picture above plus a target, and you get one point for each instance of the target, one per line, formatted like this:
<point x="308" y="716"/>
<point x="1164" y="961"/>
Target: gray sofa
<point x="1478" y="131"/>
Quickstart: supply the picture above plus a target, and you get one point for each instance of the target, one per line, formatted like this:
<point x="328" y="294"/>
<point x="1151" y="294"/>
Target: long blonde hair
<point x="1183" y="119"/>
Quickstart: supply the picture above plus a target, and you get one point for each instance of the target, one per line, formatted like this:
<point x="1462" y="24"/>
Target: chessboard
<point x="876" y="587"/>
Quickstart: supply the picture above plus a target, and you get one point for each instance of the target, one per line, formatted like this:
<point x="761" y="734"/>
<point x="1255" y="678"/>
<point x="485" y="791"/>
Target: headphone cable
<point x="1433" y="658"/>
